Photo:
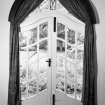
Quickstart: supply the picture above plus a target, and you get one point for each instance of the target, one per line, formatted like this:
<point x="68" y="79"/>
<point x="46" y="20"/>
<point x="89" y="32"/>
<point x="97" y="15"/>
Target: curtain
<point x="19" y="11"/>
<point x="76" y="8"/>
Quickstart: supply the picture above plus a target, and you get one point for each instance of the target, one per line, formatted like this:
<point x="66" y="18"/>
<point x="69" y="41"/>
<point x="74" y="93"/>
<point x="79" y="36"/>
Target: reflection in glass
<point x="23" y="57"/>
<point x="80" y="54"/>
<point x="60" y="73"/>
<point x="70" y="86"/>
<point x="22" y="39"/>
<point x="43" y="65"/>
<point x="32" y="87"/>
<point x="32" y="36"/>
<point x="60" y="83"/>
<point x="43" y="30"/>
<point x="23" y="90"/>
<point x="70" y="90"/>
<point x="32" y="65"/>
<point x="70" y="78"/>
<point x="33" y="48"/>
<point x="79" y="90"/>
<point x="71" y="36"/>
<point x="60" y="46"/>
<point x="79" y="80"/>
<point x="71" y="54"/>
<point x="43" y="46"/>
<point x="61" y="30"/>
<point x="42" y="81"/>
<point x="69" y="47"/>
<point x="60" y="62"/>
<point x="80" y="39"/>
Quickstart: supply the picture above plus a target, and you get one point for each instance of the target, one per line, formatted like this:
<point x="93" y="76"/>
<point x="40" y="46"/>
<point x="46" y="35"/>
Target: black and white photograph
<point x="52" y="52"/>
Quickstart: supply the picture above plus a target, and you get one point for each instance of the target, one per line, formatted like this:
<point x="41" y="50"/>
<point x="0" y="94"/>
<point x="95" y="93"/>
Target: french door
<point x="51" y="62"/>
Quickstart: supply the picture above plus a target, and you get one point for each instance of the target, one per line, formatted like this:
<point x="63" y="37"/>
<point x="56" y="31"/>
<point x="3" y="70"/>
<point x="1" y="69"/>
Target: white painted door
<point x="68" y="69"/>
<point x="51" y="58"/>
<point x="35" y="73"/>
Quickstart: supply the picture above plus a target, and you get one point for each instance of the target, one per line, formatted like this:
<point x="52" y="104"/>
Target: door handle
<point x="49" y="62"/>
<point x="53" y="99"/>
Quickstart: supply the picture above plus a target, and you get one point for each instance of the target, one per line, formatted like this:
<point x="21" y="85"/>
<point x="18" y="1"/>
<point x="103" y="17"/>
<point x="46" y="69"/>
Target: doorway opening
<point x="51" y="49"/>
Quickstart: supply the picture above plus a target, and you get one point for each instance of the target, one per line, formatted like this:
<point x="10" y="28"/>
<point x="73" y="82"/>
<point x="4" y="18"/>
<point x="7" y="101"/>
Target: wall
<point x="100" y="30"/>
<point x="5" y="6"/>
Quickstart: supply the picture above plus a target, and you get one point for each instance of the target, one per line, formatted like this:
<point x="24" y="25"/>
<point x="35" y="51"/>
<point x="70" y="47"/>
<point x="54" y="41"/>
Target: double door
<point x="53" y="53"/>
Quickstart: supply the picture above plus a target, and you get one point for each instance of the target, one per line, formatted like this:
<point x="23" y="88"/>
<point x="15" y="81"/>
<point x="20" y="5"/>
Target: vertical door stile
<point x="27" y="63"/>
<point x="49" y="57"/>
<point x="75" y="62"/>
<point x="65" y="57"/>
<point x="38" y="59"/>
<point x="54" y="67"/>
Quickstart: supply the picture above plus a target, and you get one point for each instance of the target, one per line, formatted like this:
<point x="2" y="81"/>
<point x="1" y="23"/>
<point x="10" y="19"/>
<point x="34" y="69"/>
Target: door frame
<point x="67" y="17"/>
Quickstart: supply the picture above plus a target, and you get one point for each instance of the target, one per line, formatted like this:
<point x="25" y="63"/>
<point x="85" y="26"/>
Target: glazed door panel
<point x="51" y="62"/>
<point x="69" y="63"/>
<point x="35" y="73"/>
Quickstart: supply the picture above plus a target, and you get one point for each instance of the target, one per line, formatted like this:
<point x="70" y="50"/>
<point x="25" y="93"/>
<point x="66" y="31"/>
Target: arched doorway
<point x="51" y="58"/>
<point x="47" y="47"/>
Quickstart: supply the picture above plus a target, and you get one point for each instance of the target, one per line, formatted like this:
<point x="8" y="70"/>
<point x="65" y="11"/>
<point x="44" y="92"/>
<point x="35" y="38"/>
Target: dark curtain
<point x="19" y="11"/>
<point x="80" y="11"/>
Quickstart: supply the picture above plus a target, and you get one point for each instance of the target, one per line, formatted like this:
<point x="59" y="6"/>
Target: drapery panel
<point x="19" y="11"/>
<point x="90" y="65"/>
<point x="13" y="90"/>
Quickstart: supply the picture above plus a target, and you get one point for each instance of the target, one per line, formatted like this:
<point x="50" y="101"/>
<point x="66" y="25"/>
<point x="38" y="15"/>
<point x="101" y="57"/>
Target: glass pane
<point x="80" y="54"/>
<point x="60" y="82"/>
<point x="79" y="88"/>
<point x="80" y="39"/>
<point x="70" y="90"/>
<point x="71" y="54"/>
<point x="70" y="79"/>
<point x="32" y="87"/>
<point x="60" y="46"/>
<point x="43" y="69"/>
<point x="43" y="65"/>
<point x="43" y="30"/>
<point x="42" y="81"/>
<point x="61" y="30"/>
<point x="43" y="46"/>
<point x="32" y="36"/>
<point x="79" y="80"/>
<point x="33" y="48"/>
<point x="71" y="36"/>
<point x="32" y="64"/>
<point x="69" y="47"/>
<point x="23" y="57"/>
<point x="22" y="39"/>
<point x="60" y="73"/>
<point x="23" y="90"/>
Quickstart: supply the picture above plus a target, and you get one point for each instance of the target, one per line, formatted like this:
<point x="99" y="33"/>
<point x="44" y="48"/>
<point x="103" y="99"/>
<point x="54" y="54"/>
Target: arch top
<point x="87" y="4"/>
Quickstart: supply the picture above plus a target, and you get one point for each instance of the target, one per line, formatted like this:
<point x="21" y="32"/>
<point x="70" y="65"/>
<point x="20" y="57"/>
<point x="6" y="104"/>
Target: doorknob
<point x="49" y="62"/>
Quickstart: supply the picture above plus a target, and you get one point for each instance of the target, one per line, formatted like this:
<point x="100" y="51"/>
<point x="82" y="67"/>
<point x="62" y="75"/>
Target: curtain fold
<point x="90" y="68"/>
<point x="19" y="12"/>
<point x="13" y="91"/>
<point x="76" y="8"/>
